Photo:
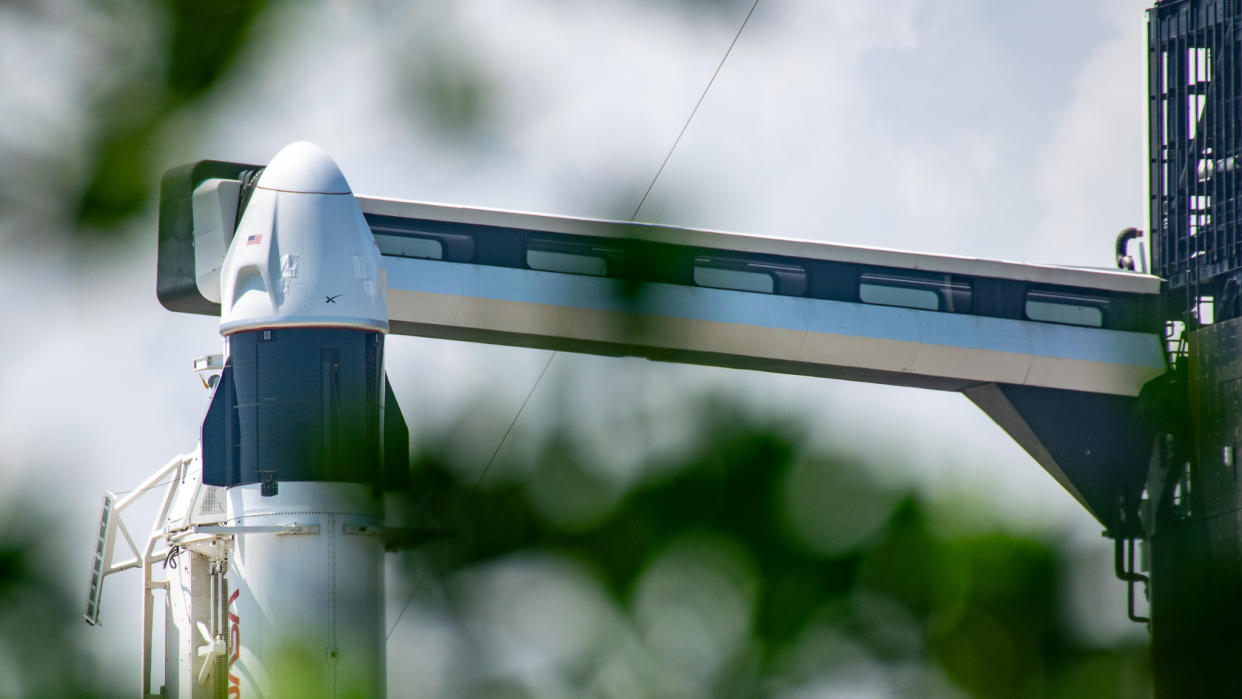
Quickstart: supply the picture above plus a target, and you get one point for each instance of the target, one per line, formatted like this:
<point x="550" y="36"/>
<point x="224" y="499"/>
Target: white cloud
<point x="1091" y="171"/>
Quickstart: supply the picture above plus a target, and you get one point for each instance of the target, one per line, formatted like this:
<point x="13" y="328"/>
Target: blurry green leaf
<point x="977" y="610"/>
<point x="201" y="42"/>
<point x="204" y="39"/>
<point x="40" y="629"/>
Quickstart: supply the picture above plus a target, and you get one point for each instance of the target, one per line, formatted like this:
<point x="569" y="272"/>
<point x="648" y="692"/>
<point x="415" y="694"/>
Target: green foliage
<point x="40" y="629"/>
<point x="299" y="672"/>
<point x="200" y="41"/>
<point x="984" y="611"/>
<point x="160" y="61"/>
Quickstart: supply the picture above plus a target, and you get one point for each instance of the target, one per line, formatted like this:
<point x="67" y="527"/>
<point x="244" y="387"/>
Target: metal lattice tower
<point x="1195" y="124"/>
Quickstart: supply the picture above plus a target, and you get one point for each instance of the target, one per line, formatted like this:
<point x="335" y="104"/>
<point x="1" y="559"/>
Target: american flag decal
<point x="254" y="239"/>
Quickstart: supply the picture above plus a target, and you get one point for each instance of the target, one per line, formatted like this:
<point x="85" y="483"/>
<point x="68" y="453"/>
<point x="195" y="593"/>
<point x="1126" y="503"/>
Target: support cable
<point x="695" y="110"/>
<point x="547" y="364"/>
<point x="488" y="465"/>
<point x="513" y="422"/>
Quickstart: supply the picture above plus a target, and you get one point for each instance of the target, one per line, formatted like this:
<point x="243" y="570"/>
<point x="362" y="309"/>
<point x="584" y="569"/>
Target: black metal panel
<point x="1195" y="137"/>
<point x="1215" y="386"/>
<point x="456" y="244"/>
<point x="396" y="443"/>
<point x="1100" y="442"/>
<point x="219" y="433"/>
<point x="1196" y="540"/>
<point x="307" y="406"/>
<point x="175" y="283"/>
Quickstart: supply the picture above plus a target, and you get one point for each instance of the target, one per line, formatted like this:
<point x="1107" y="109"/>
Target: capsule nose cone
<point x="303" y="254"/>
<point x="303" y="167"/>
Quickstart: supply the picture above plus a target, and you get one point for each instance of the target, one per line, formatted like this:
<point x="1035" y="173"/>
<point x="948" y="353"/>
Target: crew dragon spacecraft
<point x="273" y="530"/>
<point x="270" y="532"/>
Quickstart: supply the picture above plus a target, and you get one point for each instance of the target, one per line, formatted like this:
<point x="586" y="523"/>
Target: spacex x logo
<point x="332" y="299"/>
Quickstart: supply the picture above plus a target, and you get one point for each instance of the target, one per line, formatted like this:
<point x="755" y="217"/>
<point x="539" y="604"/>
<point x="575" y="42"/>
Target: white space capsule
<point x="295" y="433"/>
<point x="303" y="255"/>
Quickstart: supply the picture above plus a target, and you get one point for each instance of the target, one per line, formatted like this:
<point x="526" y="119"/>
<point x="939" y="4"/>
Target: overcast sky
<point x="1006" y="130"/>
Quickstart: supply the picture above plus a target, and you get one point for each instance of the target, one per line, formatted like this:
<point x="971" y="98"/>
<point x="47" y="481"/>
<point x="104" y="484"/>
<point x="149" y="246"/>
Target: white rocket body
<point x="307" y="608"/>
<point x="293" y="439"/>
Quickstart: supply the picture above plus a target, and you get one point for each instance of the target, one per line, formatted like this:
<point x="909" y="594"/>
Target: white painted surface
<point x="320" y="594"/>
<point x="303" y="254"/>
